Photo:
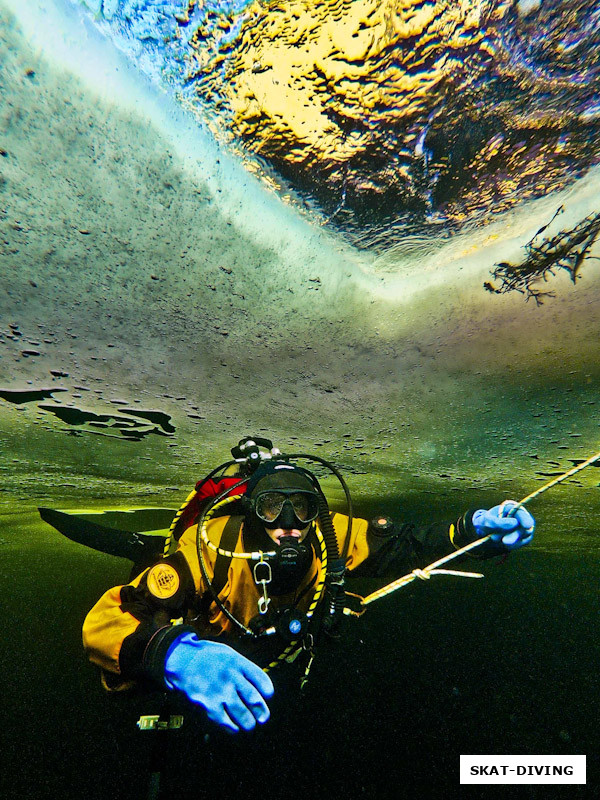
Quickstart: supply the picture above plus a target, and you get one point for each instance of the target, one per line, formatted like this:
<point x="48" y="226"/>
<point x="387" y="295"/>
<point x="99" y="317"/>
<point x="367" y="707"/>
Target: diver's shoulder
<point x="340" y="520"/>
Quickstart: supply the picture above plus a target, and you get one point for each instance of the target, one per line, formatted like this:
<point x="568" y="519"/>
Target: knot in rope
<point x="423" y="574"/>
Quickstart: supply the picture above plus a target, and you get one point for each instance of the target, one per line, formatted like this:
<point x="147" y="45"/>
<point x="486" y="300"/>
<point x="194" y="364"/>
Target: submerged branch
<point x="566" y="250"/>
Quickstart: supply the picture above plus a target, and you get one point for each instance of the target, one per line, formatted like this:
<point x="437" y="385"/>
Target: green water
<point x="503" y="665"/>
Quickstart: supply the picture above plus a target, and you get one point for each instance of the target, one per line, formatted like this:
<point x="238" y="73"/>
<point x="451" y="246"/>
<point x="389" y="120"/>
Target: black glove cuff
<point x="155" y="654"/>
<point x="465" y="533"/>
<point x="464" y="530"/>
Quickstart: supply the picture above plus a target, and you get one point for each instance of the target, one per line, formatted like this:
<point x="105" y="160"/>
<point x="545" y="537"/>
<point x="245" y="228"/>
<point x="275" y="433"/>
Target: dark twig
<point x="565" y="250"/>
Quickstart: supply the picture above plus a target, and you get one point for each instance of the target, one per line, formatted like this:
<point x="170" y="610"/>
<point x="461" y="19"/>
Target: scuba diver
<point x="252" y="579"/>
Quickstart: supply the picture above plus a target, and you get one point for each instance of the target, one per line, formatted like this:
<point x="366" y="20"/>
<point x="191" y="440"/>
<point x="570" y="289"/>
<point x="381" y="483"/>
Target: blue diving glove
<point x="227" y="685"/>
<point x="507" y="532"/>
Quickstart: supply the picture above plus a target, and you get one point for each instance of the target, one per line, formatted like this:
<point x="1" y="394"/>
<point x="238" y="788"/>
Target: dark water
<point x="499" y="666"/>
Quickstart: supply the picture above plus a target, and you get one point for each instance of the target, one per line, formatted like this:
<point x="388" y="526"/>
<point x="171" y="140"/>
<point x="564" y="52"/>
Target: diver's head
<point x="284" y="501"/>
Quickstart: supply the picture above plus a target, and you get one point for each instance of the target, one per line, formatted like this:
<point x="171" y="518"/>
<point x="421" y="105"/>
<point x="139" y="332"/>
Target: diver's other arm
<point x="130" y="623"/>
<point x="389" y="550"/>
<point x="231" y="689"/>
<point x="128" y="634"/>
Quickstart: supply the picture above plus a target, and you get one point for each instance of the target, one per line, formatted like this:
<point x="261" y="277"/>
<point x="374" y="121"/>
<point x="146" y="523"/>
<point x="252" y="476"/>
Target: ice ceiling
<point x="289" y="231"/>
<point x="386" y="116"/>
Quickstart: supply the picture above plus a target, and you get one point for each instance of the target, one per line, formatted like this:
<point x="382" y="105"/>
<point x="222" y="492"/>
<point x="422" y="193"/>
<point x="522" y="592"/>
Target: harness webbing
<point x="228" y="541"/>
<point x="229" y="537"/>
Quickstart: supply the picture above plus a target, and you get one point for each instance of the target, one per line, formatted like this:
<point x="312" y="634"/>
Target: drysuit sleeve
<point x="384" y="549"/>
<point x="129" y="630"/>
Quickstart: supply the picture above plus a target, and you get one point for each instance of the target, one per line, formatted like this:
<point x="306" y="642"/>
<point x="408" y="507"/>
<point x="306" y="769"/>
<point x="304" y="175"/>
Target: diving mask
<point x="286" y="508"/>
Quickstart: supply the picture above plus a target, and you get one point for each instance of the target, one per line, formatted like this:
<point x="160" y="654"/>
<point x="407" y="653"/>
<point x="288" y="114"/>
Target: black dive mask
<point x="286" y="508"/>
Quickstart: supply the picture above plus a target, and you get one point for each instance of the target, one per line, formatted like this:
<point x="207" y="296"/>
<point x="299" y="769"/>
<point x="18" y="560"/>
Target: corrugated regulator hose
<point x="336" y="569"/>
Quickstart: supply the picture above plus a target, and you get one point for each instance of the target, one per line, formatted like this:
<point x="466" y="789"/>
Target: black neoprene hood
<point x="280" y="475"/>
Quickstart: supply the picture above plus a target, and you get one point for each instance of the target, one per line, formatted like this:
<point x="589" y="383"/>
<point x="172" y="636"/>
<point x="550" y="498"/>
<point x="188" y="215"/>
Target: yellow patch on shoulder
<point x="163" y="581"/>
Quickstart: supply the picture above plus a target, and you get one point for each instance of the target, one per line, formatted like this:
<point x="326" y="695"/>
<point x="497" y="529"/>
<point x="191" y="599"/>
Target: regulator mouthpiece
<point x="290" y="554"/>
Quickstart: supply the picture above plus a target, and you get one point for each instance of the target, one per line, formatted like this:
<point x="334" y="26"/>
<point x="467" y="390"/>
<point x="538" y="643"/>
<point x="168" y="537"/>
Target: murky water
<point x="503" y="665"/>
<point x="289" y="232"/>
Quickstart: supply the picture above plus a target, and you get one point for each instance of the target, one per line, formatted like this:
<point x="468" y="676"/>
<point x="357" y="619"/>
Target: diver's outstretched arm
<point x="402" y="548"/>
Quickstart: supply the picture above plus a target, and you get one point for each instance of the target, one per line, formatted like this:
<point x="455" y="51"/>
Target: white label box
<point x="494" y="769"/>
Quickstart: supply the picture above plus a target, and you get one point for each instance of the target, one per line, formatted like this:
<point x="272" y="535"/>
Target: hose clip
<point x="264" y="567"/>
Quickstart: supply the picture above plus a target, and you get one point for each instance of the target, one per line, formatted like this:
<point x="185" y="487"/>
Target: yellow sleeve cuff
<point x="451" y="534"/>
